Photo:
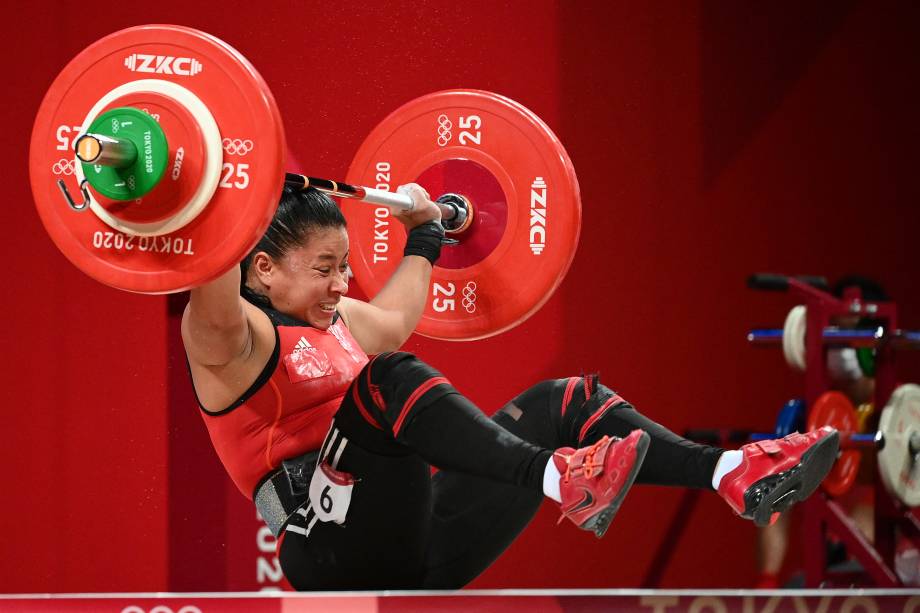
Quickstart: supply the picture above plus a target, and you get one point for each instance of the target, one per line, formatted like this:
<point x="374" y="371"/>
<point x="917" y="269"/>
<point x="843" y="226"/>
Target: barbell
<point x="157" y="160"/>
<point x="865" y="340"/>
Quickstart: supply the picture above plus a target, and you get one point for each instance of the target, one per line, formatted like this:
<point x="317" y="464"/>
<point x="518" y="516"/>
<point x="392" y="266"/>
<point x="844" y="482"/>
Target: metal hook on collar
<point x="81" y="206"/>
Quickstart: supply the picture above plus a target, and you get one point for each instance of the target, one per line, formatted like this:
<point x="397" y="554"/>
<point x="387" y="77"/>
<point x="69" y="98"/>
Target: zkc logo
<point x="538" y="216"/>
<point x="163" y="64"/>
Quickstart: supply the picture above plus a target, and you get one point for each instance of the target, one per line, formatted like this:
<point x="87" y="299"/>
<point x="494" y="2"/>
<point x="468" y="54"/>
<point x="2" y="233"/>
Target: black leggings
<point x="407" y="530"/>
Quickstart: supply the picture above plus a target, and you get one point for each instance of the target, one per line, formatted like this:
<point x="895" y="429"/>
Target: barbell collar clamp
<point x="105" y="150"/>
<point x="460" y="214"/>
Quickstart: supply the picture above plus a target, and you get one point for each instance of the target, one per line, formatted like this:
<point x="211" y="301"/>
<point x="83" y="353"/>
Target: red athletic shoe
<point x="595" y="479"/>
<point x="775" y="474"/>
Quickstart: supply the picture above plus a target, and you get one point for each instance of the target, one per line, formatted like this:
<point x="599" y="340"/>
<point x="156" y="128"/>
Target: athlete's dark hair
<point x="300" y="212"/>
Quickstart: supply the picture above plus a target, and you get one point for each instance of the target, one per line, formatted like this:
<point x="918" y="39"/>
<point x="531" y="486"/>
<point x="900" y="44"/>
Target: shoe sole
<point x="775" y="494"/>
<point x="600" y="522"/>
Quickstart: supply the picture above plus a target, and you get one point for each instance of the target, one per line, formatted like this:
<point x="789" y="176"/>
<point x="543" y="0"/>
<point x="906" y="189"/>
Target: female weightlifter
<point x="331" y="431"/>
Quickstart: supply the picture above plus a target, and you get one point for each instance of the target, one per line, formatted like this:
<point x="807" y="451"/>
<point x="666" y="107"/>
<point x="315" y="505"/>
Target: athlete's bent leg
<point x="578" y="411"/>
<point x="475" y="520"/>
<point x="758" y="481"/>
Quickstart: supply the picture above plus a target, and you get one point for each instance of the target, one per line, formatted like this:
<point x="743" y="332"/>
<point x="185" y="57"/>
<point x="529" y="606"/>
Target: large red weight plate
<point x="835" y="410"/>
<point x="141" y="66"/>
<point x="525" y="197"/>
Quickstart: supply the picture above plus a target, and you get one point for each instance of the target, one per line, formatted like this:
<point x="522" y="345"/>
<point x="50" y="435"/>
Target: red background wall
<point x="711" y="140"/>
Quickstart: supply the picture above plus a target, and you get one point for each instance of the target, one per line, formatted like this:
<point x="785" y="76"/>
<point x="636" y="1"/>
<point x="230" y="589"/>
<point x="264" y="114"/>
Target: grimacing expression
<point x="310" y="280"/>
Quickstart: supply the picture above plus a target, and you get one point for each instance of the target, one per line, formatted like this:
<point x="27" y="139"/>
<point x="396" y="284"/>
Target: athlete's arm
<point x="215" y="324"/>
<point x="384" y="323"/>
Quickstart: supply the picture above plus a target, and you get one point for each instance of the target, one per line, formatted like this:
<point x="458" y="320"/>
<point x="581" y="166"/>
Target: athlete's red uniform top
<point x="287" y="411"/>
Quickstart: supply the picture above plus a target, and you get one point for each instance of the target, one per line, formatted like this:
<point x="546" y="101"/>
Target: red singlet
<point x="287" y="411"/>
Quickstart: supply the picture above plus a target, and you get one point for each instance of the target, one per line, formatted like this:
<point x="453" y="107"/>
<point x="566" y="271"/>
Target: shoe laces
<point x="798" y="438"/>
<point x="589" y="464"/>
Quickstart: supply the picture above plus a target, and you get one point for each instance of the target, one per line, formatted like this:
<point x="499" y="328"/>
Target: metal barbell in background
<point x="792" y="338"/>
<point x="173" y="143"/>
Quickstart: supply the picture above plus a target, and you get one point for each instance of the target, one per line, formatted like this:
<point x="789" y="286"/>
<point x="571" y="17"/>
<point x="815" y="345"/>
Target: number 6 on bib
<point x="330" y="493"/>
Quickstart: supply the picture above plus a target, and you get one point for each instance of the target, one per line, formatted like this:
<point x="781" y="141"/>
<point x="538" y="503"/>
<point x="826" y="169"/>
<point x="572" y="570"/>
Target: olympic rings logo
<point x="132" y="183"/>
<point x="236" y="146"/>
<point x="444" y="130"/>
<point x="469" y="297"/>
<point x="63" y="167"/>
<point x="116" y="125"/>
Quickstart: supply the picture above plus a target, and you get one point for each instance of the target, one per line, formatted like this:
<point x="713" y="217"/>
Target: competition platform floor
<point x="516" y="601"/>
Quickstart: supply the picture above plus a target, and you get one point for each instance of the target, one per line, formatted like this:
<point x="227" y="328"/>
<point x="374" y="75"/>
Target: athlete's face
<point x="310" y="280"/>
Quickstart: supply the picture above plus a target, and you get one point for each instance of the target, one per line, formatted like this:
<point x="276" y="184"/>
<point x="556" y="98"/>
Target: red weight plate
<point x="525" y="196"/>
<point x="162" y="59"/>
<point x="835" y="410"/>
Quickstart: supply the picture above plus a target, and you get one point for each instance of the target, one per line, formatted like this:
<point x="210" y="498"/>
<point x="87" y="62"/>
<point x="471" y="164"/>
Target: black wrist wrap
<point x="425" y="240"/>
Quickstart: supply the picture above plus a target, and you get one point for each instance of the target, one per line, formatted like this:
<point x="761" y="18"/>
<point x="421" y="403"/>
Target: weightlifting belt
<point x="285" y="490"/>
